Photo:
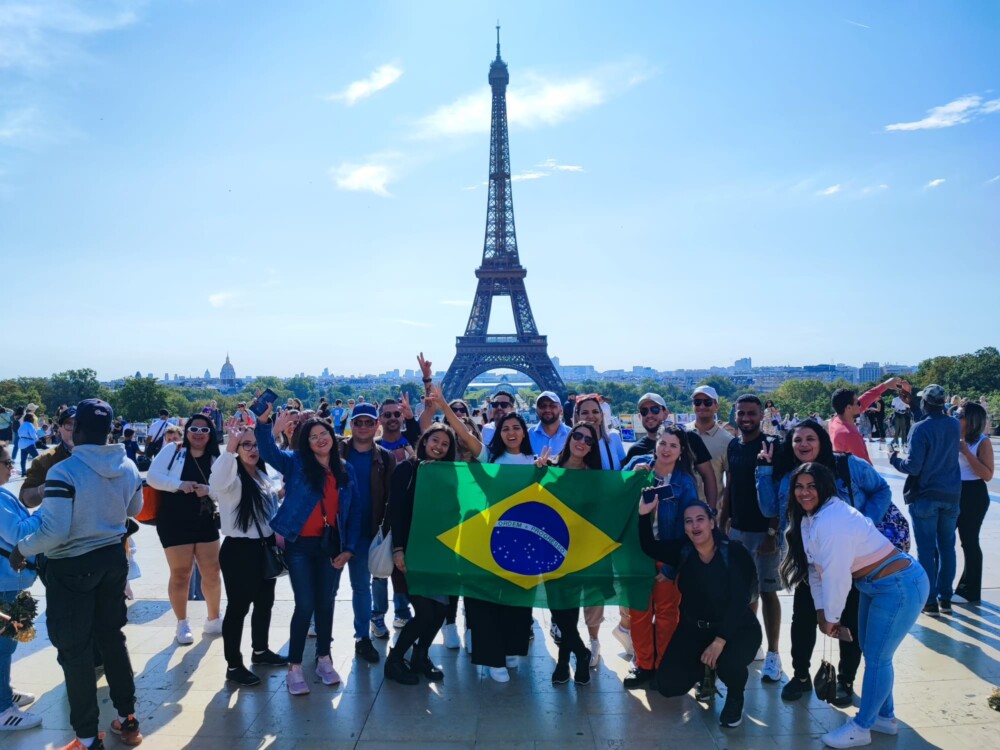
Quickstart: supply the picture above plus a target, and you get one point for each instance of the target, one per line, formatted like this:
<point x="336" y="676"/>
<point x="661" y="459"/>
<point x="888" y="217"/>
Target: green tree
<point x="140" y="399"/>
<point x="723" y="386"/>
<point x="72" y="386"/>
<point x="303" y="389"/>
<point x="22" y="391"/>
<point x="802" y="397"/>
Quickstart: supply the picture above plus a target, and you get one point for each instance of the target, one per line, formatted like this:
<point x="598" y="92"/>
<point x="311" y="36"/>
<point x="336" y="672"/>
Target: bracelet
<point x="428" y="380"/>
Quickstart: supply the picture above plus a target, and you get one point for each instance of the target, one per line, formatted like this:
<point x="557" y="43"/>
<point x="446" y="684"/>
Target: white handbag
<point x="380" y="563"/>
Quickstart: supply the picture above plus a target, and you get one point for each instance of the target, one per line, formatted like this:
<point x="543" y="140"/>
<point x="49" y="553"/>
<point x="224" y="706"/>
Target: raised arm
<point x="471" y="442"/>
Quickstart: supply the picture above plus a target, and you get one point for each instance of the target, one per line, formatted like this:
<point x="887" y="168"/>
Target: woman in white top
<point x="588" y="409"/>
<point x="975" y="459"/>
<point x="833" y="544"/>
<point x="247" y="501"/>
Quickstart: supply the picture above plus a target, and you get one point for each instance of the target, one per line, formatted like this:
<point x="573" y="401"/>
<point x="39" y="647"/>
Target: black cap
<point x="94" y="416"/>
<point x="68" y="414"/>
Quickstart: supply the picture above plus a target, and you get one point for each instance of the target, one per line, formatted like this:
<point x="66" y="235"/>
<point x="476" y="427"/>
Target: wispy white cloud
<point x="380" y="78"/>
<point x="372" y="177"/>
<point x="17" y="124"/>
<point x="955" y="112"/>
<point x="855" y="23"/>
<point x="936" y="183"/>
<point x="993" y="179"/>
<point x="551" y="164"/>
<point x="455" y="302"/>
<point x="538" y="101"/>
<point x="528" y="175"/>
<point x="871" y="189"/>
<point x="37" y="34"/>
<point x="220" y="299"/>
<point x="832" y="190"/>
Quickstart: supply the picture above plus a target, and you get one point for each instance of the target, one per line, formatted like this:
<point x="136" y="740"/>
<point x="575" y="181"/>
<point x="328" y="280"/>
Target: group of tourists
<point x="731" y="522"/>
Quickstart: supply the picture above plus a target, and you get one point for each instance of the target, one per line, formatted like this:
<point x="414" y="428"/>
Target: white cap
<point x="654" y="397"/>
<point x="550" y="395"/>
<point x="706" y="390"/>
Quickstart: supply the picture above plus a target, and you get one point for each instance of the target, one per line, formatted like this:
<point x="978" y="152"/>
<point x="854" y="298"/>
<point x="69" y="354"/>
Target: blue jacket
<point x="933" y="458"/>
<point x="300" y="497"/>
<point x="670" y="515"/>
<point x="13" y="516"/>
<point x="872" y="494"/>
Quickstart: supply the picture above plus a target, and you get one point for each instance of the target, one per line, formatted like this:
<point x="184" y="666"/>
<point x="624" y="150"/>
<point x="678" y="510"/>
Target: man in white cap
<point x="705" y="401"/>
<point x="550" y="432"/>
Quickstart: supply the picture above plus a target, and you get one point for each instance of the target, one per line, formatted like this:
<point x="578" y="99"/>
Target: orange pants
<point x="653" y="628"/>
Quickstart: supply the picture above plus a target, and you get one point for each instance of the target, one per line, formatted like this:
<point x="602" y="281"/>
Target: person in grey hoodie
<point x="80" y="527"/>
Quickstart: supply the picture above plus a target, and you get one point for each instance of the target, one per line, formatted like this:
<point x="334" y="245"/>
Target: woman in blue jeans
<point x="320" y="491"/>
<point x="835" y="547"/>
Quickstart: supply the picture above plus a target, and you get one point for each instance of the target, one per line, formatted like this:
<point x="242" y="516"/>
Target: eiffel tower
<point x="500" y="275"/>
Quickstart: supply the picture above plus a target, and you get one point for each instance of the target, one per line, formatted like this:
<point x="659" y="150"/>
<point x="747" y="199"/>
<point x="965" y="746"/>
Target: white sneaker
<point x="468" y="641"/>
<point x="23" y="699"/>
<point x="14" y="718"/>
<point x="595" y="653"/>
<point x="771" y="671"/>
<point x="184" y="635"/>
<point x="499" y="674"/>
<point x="849" y="735"/>
<point x="212" y="627"/>
<point x="624" y="637"/>
<point x="554" y="632"/>
<point x="451" y="639"/>
<point x="883" y="725"/>
<point x="512" y="662"/>
<point x="326" y="672"/>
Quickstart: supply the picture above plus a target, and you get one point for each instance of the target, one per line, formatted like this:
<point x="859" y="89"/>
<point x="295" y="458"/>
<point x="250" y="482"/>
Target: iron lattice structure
<point x="500" y="275"/>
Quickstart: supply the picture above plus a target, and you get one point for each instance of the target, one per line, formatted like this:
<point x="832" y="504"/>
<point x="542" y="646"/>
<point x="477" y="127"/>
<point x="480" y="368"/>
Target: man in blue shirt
<point x="338" y="416"/>
<point x="550" y="432"/>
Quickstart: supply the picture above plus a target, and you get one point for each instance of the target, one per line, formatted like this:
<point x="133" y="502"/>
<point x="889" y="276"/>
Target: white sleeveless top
<point x="968" y="474"/>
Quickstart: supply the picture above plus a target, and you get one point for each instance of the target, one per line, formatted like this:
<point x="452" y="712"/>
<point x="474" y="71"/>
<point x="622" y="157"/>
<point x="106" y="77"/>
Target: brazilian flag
<point x="519" y="535"/>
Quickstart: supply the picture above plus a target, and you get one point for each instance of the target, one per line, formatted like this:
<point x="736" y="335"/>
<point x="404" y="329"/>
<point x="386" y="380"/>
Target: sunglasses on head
<point x="392" y="414"/>
<point x="702" y="402"/>
<point x="644" y="410"/>
<point x="578" y="436"/>
<point x="200" y="430"/>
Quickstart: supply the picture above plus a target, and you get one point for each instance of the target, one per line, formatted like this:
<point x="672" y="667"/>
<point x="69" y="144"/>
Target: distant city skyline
<point x="795" y="182"/>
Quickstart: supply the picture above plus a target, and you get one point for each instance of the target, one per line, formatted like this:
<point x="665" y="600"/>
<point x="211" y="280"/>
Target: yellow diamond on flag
<point x="529" y="538"/>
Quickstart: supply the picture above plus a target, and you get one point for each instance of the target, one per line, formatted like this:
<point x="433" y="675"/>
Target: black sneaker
<point x="637" y="677"/>
<point x="795" y="688"/>
<point x="581" y="675"/>
<point x="397" y="669"/>
<point x="242" y="676"/>
<point x="931" y="610"/>
<point x="560" y="676"/>
<point x="366" y="650"/>
<point x="732" y="712"/>
<point x="845" y="695"/>
<point x="268" y="659"/>
<point x="945" y="606"/>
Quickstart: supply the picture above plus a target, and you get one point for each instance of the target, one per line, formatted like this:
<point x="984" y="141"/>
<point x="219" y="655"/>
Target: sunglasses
<point x="364" y="423"/>
<point x="643" y="411"/>
<point x="702" y="402"/>
<point x="460" y="410"/>
<point x="502" y="405"/>
<point x="578" y="436"/>
<point x="392" y="414"/>
<point x="200" y="430"/>
<point x="8" y="463"/>
<point x="248" y="446"/>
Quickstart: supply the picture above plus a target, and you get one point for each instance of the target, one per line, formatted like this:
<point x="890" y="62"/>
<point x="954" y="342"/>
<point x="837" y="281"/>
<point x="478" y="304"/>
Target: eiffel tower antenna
<point x="500" y="275"/>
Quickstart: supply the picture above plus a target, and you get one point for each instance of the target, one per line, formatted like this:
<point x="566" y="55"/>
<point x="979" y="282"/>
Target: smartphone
<point x="844" y="634"/>
<point x="260" y="404"/>
<point x="664" y="493"/>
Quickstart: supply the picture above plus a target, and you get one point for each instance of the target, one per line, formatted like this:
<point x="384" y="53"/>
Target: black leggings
<point x="452" y="613"/>
<point x="974" y="503"/>
<point x="681" y="667"/>
<point x="804" y="634"/>
<point x="570" y="642"/>
<point x="423" y="627"/>
<point x="498" y="631"/>
<point x="242" y="563"/>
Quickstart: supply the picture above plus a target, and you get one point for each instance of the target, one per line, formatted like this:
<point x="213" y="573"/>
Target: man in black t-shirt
<point x="654" y="412"/>
<point x="759" y="534"/>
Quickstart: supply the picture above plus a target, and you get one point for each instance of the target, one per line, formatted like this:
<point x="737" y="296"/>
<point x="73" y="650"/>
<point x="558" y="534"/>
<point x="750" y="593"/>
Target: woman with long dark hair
<point x="588" y="409"/>
<point x="718" y="630"/>
<point x="866" y="491"/>
<point x="975" y="459"/>
<point x="832" y="544"/>
<point x="320" y="514"/>
<point x="429" y="612"/>
<point x="653" y="627"/>
<point x="247" y="501"/>
<point x="579" y="452"/>
<point x="187" y="520"/>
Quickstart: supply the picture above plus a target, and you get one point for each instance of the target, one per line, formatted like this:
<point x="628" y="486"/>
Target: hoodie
<point x="88" y="498"/>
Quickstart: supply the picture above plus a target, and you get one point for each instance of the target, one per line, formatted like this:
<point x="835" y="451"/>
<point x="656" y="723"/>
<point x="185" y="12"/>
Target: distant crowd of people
<point x="733" y="521"/>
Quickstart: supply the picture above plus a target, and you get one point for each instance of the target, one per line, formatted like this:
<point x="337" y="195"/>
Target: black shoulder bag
<point x="274" y="562"/>
<point x="329" y="542"/>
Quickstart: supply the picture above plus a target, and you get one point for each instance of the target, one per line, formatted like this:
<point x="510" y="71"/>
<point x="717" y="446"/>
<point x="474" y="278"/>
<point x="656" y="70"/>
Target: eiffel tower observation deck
<point x="500" y="275"/>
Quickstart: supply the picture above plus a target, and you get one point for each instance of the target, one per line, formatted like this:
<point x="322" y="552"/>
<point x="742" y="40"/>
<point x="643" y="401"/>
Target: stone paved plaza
<point x="944" y="674"/>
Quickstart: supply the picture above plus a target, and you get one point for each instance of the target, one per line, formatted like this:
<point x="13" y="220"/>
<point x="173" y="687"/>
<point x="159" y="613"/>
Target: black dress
<point x="185" y="518"/>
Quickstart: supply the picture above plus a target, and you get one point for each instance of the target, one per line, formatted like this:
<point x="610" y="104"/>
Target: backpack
<point x="723" y="545"/>
<point x="893" y="525"/>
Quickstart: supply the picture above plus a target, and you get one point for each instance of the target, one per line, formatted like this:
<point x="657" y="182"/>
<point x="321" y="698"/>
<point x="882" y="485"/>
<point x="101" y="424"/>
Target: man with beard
<point x="550" y="432"/>
<point x="33" y="488"/>
<point x="705" y="400"/>
<point x="742" y="519"/>
<point x="393" y="416"/>
<point x="501" y="403"/>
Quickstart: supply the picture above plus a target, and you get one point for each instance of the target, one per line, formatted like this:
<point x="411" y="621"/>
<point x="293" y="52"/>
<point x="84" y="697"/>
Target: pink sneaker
<point x="295" y="681"/>
<point x="326" y="672"/>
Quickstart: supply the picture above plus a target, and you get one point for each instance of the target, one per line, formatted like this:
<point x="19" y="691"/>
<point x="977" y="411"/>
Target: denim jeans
<point x="886" y="611"/>
<point x="314" y="586"/>
<point x="380" y="600"/>
<point x="26" y="453"/>
<point x="934" y="524"/>
<point x="361" y="590"/>
<point x="7" y="646"/>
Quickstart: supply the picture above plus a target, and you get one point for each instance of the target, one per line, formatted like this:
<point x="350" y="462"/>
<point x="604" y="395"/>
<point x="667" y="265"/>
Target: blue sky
<point x="796" y="182"/>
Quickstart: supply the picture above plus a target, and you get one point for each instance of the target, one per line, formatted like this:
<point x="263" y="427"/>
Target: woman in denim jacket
<point x="871" y="496"/>
<point x="13" y="516"/>
<point x="320" y="491"/>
